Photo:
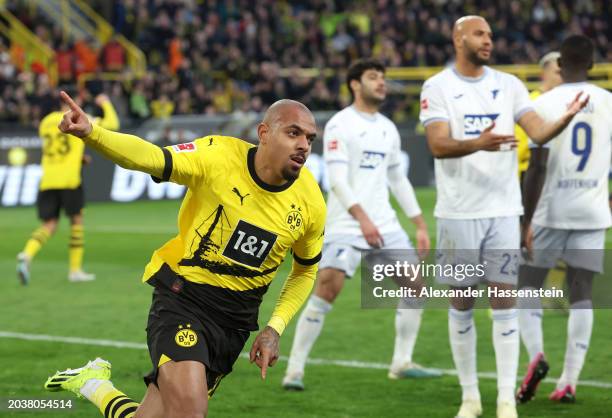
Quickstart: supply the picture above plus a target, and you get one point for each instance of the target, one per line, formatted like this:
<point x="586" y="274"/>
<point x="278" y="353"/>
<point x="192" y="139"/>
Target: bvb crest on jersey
<point x="186" y="337"/>
<point x="294" y="218"/>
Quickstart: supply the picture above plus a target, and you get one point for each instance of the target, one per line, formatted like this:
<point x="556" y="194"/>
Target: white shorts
<point x="492" y="244"/>
<point x="341" y="253"/>
<point x="583" y="248"/>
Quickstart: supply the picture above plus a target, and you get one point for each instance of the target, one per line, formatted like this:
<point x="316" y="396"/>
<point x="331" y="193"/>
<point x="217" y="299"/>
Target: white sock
<point x="308" y="328"/>
<point x="462" y="333"/>
<point x="507" y="349"/>
<point x="407" y="324"/>
<point x="579" y="327"/>
<point x="530" y="324"/>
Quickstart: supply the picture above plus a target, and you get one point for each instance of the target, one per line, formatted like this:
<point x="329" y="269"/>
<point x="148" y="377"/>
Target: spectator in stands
<point x="235" y="49"/>
<point x="113" y="55"/>
<point x="66" y="61"/>
<point x="138" y="102"/>
<point x="162" y="107"/>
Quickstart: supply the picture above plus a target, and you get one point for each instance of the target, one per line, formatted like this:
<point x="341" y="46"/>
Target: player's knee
<point x="329" y="284"/>
<point x="76" y="219"/>
<point x="530" y="276"/>
<point x="50" y="225"/>
<point x="185" y="403"/>
<point x="463" y="303"/>
<point x="183" y="394"/>
<point x="580" y="285"/>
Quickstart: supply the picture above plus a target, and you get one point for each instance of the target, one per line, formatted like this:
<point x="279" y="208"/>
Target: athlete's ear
<point x="262" y="132"/>
<point x="355" y="84"/>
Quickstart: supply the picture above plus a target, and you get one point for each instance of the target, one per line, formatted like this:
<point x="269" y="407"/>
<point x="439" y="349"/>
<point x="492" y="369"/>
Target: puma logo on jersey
<point x="235" y="190"/>
<point x="475" y="124"/>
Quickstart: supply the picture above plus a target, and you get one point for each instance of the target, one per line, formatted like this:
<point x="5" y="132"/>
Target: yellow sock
<point x="113" y="403"/>
<point x="76" y="247"/>
<point x="37" y="240"/>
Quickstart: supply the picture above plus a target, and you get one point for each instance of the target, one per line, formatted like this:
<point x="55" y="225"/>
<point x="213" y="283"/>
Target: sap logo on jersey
<point x="475" y="124"/>
<point x="371" y="159"/>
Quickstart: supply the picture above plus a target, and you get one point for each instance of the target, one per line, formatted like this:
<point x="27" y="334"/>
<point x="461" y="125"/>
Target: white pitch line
<point x="314" y="361"/>
<point x="133" y="229"/>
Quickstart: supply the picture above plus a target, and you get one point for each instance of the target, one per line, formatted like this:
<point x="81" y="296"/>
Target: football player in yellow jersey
<point x="60" y="187"/>
<point x="245" y="208"/>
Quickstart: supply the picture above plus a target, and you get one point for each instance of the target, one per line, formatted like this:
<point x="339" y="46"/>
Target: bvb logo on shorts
<point x="186" y="337"/>
<point x="294" y="218"/>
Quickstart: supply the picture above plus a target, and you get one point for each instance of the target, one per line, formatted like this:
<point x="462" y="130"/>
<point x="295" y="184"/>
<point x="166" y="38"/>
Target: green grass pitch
<point x="119" y="241"/>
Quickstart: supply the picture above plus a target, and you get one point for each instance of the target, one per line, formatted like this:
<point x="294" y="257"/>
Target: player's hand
<point x="101" y="99"/>
<point x="527" y="242"/>
<point x="423" y="242"/>
<point x="264" y="351"/>
<point x="87" y="159"/>
<point x="75" y="121"/>
<point x="576" y="106"/>
<point x="488" y="141"/>
<point x="371" y="234"/>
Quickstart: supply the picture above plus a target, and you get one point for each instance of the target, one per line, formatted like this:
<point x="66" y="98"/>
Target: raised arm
<point x="109" y="120"/>
<point x="128" y="151"/>
<point x="541" y="131"/>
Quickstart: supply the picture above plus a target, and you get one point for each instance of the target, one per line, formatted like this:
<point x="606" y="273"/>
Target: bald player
<point x="469" y="111"/>
<point x="246" y="207"/>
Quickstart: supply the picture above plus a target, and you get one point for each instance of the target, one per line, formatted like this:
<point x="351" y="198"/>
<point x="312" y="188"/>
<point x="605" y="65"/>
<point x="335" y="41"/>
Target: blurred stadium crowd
<point x="211" y="57"/>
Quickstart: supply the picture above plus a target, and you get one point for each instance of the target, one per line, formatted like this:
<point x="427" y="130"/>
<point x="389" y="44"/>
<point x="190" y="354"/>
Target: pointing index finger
<point x="264" y="364"/>
<point x="68" y="100"/>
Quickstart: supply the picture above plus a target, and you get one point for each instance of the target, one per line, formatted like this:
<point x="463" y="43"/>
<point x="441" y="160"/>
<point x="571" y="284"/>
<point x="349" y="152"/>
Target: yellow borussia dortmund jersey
<point x="234" y="229"/>
<point x="522" y="147"/>
<point x="62" y="155"/>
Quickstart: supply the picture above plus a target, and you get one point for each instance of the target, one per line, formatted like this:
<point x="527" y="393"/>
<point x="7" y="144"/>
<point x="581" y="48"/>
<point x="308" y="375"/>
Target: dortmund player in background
<point x="60" y="187"/>
<point x="245" y="208"/>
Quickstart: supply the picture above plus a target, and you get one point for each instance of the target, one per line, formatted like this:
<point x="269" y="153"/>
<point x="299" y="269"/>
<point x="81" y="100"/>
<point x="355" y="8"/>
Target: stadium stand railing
<point x="24" y="40"/>
<point x="412" y="78"/>
<point x="79" y="20"/>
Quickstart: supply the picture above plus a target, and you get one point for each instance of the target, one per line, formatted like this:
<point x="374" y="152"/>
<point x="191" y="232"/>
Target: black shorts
<point x="50" y="202"/>
<point x="178" y="329"/>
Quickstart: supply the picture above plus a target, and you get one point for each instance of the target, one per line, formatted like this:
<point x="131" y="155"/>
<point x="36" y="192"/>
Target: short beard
<point x="290" y="175"/>
<point x="372" y="100"/>
<point x="472" y="56"/>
